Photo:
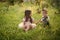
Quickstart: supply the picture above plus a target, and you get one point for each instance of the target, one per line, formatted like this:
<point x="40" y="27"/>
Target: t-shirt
<point x="28" y="23"/>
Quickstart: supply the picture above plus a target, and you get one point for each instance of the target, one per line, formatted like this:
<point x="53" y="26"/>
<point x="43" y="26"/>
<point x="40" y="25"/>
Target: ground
<point x="11" y="17"/>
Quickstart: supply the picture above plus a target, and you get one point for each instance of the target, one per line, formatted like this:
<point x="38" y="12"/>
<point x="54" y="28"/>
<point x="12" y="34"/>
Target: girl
<point x="27" y="21"/>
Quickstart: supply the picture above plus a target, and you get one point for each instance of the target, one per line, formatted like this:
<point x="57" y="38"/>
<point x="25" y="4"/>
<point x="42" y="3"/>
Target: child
<point x="27" y="21"/>
<point x="45" y="17"/>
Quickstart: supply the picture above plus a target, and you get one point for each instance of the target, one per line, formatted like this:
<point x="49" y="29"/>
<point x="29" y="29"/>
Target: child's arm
<point x="48" y="18"/>
<point x="38" y="21"/>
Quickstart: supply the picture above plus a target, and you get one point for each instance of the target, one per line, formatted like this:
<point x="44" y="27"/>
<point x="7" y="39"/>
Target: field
<point x="12" y="16"/>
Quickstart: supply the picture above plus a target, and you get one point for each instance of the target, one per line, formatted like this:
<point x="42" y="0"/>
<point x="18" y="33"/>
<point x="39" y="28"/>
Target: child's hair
<point x="44" y="9"/>
<point x="27" y="15"/>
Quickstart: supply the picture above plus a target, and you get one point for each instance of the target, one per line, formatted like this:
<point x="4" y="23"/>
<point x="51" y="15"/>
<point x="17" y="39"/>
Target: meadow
<point x="11" y="16"/>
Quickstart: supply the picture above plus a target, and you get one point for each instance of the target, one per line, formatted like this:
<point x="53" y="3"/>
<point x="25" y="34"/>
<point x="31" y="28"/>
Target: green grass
<point x="9" y="20"/>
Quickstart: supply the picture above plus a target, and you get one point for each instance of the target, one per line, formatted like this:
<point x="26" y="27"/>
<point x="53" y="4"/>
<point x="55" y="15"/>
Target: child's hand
<point x="38" y="21"/>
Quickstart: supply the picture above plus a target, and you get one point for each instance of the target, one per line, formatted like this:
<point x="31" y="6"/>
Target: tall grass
<point x="9" y="20"/>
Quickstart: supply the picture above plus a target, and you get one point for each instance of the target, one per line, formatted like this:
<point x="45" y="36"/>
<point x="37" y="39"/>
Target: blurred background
<point x="12" y="13"/>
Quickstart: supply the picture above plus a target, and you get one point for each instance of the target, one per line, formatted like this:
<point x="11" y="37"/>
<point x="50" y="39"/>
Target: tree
<point x="55" y="4"/>
<point x="2" y="0"/>
<point x="11" y="2"/>
<point x="38" y="2"/>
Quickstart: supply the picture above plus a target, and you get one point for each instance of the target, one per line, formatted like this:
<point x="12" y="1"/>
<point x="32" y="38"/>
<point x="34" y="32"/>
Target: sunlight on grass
<point x="10" y="19"/>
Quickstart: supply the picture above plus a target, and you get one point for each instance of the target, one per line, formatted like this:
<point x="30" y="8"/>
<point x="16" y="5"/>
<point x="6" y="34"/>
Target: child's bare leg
<point x="26" y="28"/>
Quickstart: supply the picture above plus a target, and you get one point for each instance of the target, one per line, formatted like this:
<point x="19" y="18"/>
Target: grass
<point x="9" y="20"/>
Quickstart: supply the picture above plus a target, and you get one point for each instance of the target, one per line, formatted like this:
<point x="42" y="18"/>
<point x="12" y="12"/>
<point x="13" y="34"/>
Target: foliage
<point x="55" y="3"/>
<point x="10" y="19"/>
